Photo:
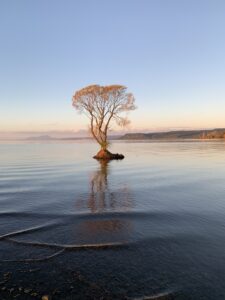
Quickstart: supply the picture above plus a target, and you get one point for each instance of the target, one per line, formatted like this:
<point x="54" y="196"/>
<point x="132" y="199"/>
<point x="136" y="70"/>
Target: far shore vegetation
<point x="179" y="134"/>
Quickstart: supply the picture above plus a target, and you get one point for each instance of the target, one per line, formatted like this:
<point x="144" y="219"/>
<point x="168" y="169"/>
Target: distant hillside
<point x="40" y="138"/>
<point x="173" y="135"/>
<point x="50" y="138"/>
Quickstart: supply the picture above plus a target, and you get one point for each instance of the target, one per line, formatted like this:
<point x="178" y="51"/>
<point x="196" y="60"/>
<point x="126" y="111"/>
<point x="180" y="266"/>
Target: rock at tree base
<point x="105" y="154"/>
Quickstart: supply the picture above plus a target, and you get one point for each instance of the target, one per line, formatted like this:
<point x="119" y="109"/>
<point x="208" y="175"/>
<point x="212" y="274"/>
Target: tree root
<point x="22" y="231"/>
<point x="62" y="248"/>
<point x="69" y="247"/>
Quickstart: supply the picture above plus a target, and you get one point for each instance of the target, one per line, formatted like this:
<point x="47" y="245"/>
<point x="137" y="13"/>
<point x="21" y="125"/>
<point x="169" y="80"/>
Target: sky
<point x="169" y="53"/>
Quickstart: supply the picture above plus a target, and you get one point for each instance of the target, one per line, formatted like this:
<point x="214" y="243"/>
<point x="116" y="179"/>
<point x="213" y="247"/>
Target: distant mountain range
<point x="50" y="138"/>
<point x="180" y="134"/>
<point x="169" y="135"/>
<point x="41" y="137"/>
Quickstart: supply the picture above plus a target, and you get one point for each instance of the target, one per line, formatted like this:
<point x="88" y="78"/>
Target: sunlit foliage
<point x="104" y="105"/>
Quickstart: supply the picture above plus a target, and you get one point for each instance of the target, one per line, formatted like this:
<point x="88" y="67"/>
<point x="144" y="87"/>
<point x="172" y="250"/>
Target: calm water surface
<point x="152" y="224"/>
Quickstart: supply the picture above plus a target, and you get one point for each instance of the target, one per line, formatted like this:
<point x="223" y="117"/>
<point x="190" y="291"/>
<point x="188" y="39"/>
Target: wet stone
<point x="27" y="291"/>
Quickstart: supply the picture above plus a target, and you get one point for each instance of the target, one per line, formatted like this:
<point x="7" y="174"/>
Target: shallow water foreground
<point x="152" y="225"/>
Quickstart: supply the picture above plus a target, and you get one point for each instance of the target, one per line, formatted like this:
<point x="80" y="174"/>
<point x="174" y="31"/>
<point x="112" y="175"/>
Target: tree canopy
<point x="104" y="105"/>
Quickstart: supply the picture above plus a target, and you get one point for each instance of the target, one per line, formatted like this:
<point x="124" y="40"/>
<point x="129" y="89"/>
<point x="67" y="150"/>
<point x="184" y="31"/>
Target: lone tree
<point x="104" y="105"/>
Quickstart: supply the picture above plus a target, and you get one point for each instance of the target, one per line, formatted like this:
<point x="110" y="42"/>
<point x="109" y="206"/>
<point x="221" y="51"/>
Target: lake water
<point x="152" y="224"/>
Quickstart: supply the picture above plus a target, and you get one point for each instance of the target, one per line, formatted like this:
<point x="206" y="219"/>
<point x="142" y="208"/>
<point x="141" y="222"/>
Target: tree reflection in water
<point x="101" y="197"/>
<point x="108" y="218"/>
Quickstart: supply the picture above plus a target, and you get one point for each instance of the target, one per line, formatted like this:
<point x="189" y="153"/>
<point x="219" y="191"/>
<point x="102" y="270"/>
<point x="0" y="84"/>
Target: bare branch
<point x="103" y="105"/>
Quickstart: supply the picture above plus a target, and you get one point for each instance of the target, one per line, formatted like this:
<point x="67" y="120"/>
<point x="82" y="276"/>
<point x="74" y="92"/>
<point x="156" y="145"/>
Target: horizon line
<point x="157" y="129"/>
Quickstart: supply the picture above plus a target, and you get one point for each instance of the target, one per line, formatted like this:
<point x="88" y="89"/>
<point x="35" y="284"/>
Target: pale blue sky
<point x="169" y="53"/>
